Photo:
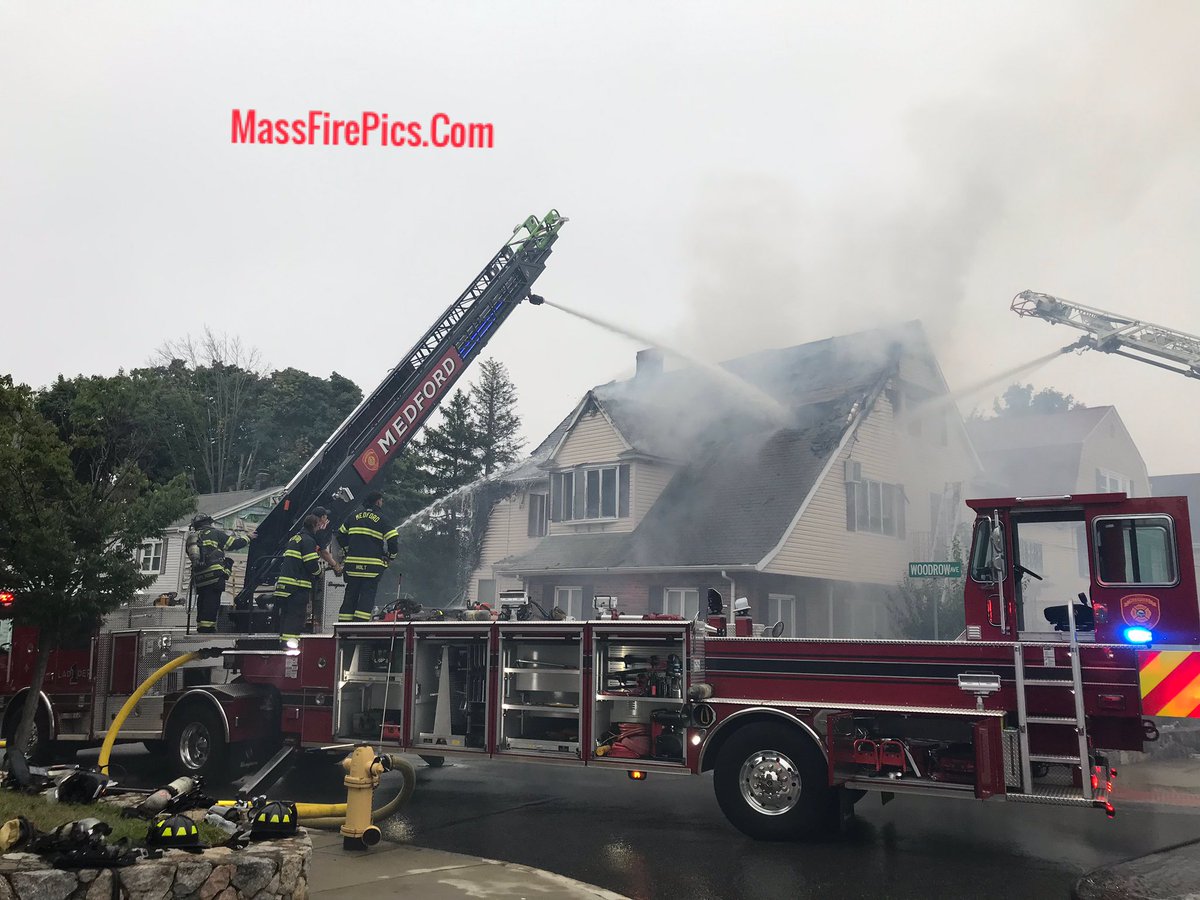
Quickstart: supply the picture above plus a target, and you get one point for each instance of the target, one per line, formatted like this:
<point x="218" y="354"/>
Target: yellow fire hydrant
<point x="363" y="768"/>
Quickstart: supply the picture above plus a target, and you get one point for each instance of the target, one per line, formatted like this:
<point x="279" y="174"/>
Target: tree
<point x="74" y="513"/>
<point x="214" y="385"/>
<point x="930" y="608"/>
<point x="493" y="404"/>
<point x="1020" y="399"/>
<point x="293" y="413"/>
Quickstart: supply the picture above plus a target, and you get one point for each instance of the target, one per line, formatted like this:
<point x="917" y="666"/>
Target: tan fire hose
<point x="317" y="815"/>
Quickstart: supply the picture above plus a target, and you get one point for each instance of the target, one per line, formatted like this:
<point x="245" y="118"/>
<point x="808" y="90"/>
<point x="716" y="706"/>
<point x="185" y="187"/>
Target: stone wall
<point x="269" y="869"/>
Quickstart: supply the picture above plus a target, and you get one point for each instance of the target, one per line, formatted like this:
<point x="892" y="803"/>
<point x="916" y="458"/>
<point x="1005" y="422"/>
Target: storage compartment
<point x="450" y="692"/>
<point x="541" y="686"/>
<point x="641" y="686"/>
<point x="370" y="688"/>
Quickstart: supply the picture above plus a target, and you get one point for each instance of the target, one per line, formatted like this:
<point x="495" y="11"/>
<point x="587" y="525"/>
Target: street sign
<point x="935" y="570"/>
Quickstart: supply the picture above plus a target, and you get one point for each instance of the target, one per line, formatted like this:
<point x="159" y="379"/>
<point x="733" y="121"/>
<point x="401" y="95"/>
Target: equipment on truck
<point x="1156" y="345"/>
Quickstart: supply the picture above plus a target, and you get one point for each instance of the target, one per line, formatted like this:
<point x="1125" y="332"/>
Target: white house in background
<point x="164" y="556"/>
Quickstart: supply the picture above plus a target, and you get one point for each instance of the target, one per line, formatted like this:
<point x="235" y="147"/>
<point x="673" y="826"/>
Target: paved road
<point x="666" y="838"/>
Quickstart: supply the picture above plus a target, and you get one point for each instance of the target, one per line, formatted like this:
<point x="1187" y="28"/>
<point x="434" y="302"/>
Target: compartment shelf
<point x="562" y="712"/>
<point x="539" y="670"/>
<point x="666" y="701"/>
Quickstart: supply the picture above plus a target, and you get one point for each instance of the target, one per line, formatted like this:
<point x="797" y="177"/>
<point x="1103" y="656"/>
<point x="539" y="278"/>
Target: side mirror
<point x="997" y="549"/>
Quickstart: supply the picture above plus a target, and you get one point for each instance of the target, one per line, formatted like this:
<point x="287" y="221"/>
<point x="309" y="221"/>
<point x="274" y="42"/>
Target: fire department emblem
<point x="1140" y="609"/>
<point x="371" y="460"/>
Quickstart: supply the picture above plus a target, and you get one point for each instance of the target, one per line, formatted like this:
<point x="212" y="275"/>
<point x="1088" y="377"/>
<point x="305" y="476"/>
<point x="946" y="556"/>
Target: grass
<point x="46" y="816"/>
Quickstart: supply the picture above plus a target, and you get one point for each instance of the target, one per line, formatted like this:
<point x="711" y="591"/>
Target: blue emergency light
<point x="1136" y="634"/>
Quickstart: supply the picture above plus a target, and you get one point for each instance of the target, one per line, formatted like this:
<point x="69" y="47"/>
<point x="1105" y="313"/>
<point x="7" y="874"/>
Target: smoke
<point x="1032" y="174"/>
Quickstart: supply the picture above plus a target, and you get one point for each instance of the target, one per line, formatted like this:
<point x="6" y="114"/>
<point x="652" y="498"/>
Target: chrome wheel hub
<point x="194" y="746"/>
<point x="770" y="782"/>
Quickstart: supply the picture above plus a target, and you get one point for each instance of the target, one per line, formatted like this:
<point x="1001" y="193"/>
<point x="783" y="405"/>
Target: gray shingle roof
<point x="745" y="469"/>
<point x="212" y="504"/>
<point x="1035" y="453"/>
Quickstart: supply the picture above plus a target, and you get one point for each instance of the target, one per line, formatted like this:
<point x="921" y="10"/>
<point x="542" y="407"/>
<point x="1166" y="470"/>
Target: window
<point x="570" y="601"/>
<point x="590" y="492"/>
<point x="538" y="515"/>
<point x="1135" y="550"/>
<point x="150" y="556"/>
<point x="562" y="496"/>
<point x="875" y="507"/>
<point x="1107" y="482"/>
<point x="782" y="608"/>
<point x="981" y="553"/>
<point x="684" y="602"/>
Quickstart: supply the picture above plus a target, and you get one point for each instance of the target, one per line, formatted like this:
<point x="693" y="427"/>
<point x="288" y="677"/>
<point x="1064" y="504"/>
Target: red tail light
<point x="7" y="598"/>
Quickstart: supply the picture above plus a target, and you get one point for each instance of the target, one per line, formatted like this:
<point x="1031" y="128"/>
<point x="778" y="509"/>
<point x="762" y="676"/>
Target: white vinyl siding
<point x="507" y="535"/>
<point x="820" y="546"/>
<point x="593" y="440"/>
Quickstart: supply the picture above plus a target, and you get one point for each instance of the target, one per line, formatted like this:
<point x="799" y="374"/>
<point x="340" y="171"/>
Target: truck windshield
<point x="981" y="552"/>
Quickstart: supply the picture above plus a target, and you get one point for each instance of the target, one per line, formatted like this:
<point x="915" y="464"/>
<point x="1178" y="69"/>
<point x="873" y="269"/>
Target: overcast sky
<point x="737" y="176"/>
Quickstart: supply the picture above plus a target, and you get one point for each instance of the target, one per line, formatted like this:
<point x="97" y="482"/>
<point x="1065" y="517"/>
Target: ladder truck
<point x="1155" y="345"/>
<point x="205" y="714"/>
<point x="794" y="730"/>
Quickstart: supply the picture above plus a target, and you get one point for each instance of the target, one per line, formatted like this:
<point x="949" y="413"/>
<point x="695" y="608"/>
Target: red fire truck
<point x="795" y="730"/>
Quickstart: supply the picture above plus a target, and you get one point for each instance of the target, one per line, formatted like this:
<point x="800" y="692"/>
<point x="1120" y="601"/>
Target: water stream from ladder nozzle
<point x="776" y="410"/>
<point x="946" y="400"/>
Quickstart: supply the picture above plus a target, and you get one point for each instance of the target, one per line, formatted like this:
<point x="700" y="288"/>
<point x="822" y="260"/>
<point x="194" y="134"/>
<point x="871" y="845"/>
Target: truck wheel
<point x="38" y="749"/>
<point x="772" y="784"/>
<point x="196" y="742"/>
<point x="434" y="762"/>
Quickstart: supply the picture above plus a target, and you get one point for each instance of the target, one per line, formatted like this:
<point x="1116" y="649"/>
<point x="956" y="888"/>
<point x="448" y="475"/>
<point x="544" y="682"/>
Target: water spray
<point x="760" y="398"/>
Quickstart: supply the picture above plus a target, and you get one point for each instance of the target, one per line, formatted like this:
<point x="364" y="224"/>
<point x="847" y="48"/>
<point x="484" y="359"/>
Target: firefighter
<point x="206" y="548"/>
<point x="301" y="567"/>
<point x="324" y="535"/>
<point x="369" y="543"/>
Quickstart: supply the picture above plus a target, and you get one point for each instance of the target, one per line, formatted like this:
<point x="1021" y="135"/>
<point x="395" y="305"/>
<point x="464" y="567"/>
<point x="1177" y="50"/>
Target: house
<point x="804" y="479"/>
<point x="1079" y="451"/>
<point x="166" y="556"/>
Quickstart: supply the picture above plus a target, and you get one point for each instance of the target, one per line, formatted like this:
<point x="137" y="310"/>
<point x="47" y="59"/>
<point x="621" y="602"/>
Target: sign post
<point x="935" y="570"/>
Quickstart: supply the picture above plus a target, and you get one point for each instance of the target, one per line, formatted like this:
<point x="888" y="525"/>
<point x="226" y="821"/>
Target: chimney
<point x="261" y="480"/>
<point x="649" y="363"/>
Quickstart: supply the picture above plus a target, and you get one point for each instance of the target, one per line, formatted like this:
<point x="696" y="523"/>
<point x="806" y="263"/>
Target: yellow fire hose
<point x="318" y="815"/>
<point x="123" y="714"/>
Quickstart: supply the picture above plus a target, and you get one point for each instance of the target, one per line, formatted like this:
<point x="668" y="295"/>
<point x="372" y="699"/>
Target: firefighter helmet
<point x="275" y="818"/>
<point x="174" y="831"/>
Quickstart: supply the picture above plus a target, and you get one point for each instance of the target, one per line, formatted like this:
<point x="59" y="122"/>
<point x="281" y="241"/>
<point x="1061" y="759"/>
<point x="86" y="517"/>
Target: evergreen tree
<point x="493" y="404"/>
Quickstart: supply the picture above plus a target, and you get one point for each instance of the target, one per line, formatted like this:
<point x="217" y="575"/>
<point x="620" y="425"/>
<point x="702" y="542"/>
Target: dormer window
<point x="590" y="493"/>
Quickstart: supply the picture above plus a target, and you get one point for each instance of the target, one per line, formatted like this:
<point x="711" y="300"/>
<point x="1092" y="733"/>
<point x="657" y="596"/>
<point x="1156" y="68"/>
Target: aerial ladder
<point x="378" y="429"/>
<point x="1167" y="348"/>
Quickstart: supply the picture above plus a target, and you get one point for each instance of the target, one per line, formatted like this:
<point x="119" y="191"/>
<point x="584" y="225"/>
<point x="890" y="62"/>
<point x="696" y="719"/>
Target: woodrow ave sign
<point x="935" y="570"/>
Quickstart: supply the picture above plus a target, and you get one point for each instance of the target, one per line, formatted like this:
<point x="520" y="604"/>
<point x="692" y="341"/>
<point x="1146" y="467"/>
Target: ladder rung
<point x="1051" y="720"/>
<point x="1050" y="758"/>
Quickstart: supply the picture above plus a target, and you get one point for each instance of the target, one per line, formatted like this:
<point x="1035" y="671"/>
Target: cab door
<point x="1143" y="577"/>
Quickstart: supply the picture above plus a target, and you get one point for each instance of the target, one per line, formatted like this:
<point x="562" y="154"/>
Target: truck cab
<point x="1118" y="569"/>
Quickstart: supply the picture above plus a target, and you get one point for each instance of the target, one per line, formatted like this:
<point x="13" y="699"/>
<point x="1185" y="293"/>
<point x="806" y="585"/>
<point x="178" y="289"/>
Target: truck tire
<point x="195" y="742"/>
<point x="772" y="784"/>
